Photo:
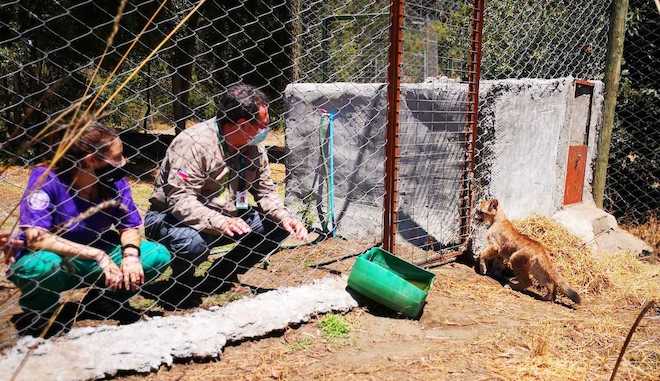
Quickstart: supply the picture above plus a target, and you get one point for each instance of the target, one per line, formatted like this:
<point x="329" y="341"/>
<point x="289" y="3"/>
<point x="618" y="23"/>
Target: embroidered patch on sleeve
<point x="38" y="200"/>
<point x="182" y="174"/>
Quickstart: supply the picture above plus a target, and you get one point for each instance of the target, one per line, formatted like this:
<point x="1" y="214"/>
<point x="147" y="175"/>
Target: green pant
<point x="42" y="275"/>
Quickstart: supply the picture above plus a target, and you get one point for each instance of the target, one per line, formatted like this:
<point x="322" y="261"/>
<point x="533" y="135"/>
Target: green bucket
<point x="391" y="281"/>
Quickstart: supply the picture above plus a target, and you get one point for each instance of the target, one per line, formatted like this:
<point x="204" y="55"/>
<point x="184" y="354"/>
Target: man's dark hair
<point x="240" y="101"/>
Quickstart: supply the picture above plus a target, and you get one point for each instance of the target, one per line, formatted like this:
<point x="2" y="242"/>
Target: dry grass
<point x="573" y="257"/>
<point x="633" y="282"/>
<point x="472" y="329"/>
<point x="620" y="277"/>
<point x="567" y="349"/>
<point x="579" y="348"/>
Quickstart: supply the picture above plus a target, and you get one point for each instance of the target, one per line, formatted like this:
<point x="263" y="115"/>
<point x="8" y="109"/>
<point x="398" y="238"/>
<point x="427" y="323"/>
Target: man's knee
<point x="274" y="232"/>
<point x="266" y="228"/>
<point x="152" y="225"/>
<point x="187" y="243"/>
<point x="265" y="241"/>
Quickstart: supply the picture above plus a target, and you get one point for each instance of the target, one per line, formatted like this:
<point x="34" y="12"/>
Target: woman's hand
<point x="131" y="268"/>
<point x="8" y="246"/>
<point x="132" y="272"/>
<point x="113" y="276"/>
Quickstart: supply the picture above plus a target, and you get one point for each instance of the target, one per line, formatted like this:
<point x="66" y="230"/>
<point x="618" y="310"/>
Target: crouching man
<point x="201" y="197"/>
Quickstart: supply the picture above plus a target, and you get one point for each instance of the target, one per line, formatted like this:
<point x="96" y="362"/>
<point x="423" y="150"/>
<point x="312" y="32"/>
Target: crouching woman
<point x="80" y="227"/>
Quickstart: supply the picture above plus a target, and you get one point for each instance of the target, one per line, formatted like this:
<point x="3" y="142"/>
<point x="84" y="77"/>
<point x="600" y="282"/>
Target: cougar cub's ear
<point x="493" y="205"/>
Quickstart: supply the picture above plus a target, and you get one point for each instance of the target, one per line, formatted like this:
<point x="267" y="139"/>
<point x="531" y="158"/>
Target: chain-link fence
<point x="554" y="39"/>
<point x="153" y="72"/>
<point x="531" y="113"/>
<point x="632" y="190"/>
<point x="435" y="132"/>
<point x="323" y="68"/>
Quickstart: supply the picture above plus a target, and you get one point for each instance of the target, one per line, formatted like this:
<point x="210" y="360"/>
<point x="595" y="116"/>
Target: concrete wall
<point x="359" y="153"/>
<point x="525" y="130"/>
<point x="526" y="127"/>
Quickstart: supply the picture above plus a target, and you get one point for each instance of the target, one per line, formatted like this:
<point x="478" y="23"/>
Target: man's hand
<point x="8" y="246"/>
<point x="295" y="227"/>
<point x="234" y="226"/>
<point x="132" y="272"/>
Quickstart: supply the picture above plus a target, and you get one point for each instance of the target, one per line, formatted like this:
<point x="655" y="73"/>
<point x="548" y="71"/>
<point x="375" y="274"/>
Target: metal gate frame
<point x="393" y="149"/>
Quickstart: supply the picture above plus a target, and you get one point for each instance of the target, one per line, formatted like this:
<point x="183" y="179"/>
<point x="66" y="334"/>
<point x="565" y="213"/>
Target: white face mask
<point x="259" y="138"/>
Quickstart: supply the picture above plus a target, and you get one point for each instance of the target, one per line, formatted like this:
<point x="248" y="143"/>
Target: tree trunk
<point x="182" y="60"/>
<point x="612" y="76"/>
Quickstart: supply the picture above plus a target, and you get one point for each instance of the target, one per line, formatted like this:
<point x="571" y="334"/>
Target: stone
<point x="599" y="229"/>
<point x="98" y="352"/>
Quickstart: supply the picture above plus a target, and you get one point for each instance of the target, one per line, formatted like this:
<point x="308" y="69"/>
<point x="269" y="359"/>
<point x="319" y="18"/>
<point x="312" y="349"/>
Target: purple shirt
<point x="54" y="203"/>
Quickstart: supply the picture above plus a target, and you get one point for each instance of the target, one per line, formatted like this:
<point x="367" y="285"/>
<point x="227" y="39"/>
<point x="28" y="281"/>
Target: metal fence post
<point x="474" y="76"/>
<point x="392" y="148"/>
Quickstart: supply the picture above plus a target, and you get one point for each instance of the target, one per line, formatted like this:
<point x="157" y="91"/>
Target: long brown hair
<point x="96" y="139"/>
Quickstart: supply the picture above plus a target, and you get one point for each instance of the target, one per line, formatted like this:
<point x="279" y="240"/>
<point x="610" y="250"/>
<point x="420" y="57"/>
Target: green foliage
<point x="544" y="39"/>
<point x="307" y="209"/>
<point x="334" y="326"/>
<point x="301" y="344"/>
<point x="48" y="51"/>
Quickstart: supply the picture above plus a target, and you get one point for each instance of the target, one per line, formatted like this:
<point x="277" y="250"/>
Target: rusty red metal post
<point x="392" y="148"/>
<point x="474" y="76"/>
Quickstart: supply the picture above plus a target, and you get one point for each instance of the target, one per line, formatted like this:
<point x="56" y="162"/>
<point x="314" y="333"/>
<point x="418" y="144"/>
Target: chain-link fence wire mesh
<point x="632" y="190"/>
<point x="321" y="64"/>
<point x="49" y="53"/>
<point x="529" y="42"/>
<point x="553" y="39"/>
<point x="545" y="39"/>
<point x="433" y="126"/>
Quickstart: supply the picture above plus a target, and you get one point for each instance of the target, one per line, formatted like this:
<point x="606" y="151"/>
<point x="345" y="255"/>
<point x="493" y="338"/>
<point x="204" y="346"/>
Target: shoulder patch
<point x="38" y="200"/>
<point x="183" y="174"/>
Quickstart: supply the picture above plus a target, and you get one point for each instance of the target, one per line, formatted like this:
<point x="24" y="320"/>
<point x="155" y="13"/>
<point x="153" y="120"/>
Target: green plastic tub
<point x="391" y="281"/>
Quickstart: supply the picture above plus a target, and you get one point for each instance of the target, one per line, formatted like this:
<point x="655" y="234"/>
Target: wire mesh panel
<point x="533" y="107"/>
<point x="545" y="39"/>
<point x="558" y="39"/>
<point x="210" y="207"/>
<point x="632" y="190"/>
<point x="343" y="41"/>
<point x="434" y="132"/>
<point x="335" y="134"/>
<point x="188" y="87"/>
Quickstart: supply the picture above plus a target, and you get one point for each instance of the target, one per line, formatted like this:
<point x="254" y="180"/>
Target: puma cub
<point x="525" y="256"/>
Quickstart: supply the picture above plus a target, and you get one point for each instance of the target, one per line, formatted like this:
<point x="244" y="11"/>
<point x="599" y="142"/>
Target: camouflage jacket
<point x="200" y="176"/>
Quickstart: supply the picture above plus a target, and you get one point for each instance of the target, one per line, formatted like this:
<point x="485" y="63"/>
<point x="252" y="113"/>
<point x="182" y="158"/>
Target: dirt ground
<point x="472" y="327"/>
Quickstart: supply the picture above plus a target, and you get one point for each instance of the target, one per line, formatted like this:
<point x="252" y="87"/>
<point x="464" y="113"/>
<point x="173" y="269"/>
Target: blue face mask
<point x="259" y="138"/>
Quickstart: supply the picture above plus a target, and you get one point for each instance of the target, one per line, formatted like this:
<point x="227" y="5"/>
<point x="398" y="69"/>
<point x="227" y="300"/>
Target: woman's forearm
<point x="38" y="239"/>
<point x="130" y="237"/>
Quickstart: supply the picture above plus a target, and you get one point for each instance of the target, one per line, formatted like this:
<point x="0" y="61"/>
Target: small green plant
<point x="143" y="304"/>
<point x="221" y="299"/>
<point x="301" y="344"/>
<point x="307" y="210"/>
<point x="334" y="326"/>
